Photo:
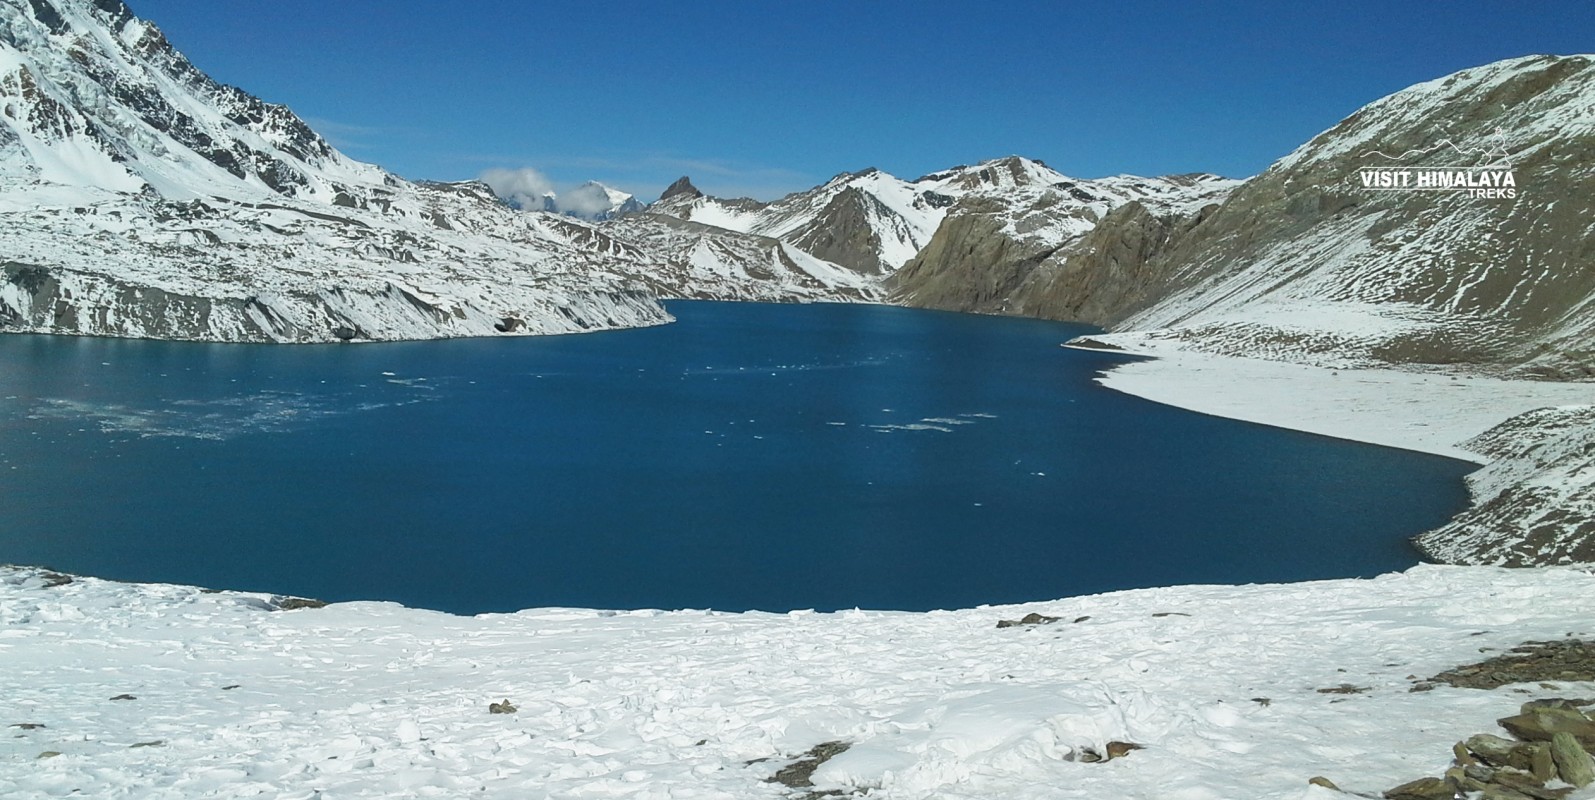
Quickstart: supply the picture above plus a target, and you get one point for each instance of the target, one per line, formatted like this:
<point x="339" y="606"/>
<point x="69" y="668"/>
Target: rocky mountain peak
<point x="682" y="186"/>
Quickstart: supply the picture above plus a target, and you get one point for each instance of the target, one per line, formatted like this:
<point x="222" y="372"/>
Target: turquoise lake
<point x="748" y="456"/>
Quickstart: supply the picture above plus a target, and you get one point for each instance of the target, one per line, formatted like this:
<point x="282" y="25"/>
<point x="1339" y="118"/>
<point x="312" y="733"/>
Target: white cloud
<point x="524" y="187"/>
<point x="586" y="200"/>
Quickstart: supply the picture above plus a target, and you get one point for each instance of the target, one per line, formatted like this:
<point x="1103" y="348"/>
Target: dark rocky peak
<point x="115" y="13"/>
<point x="844" y="177"/>
<point x="682" y="186"/>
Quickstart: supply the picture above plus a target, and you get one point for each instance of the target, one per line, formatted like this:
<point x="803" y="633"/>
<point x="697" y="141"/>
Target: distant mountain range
<point x="141" y="198"/>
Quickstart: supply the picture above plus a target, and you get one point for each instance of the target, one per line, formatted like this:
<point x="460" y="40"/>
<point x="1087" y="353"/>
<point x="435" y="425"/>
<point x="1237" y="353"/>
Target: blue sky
<point x="761" y="98"/>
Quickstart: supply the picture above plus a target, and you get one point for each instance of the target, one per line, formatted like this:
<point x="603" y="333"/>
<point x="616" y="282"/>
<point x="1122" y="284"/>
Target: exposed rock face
<point x="941" y="275"/>
<point x="1072" y="250"/>
<point x="681" y="188"/>
<point x="1110" y="271"/>
<point x="1534" y="504"/>
<point x="842" y="233"/>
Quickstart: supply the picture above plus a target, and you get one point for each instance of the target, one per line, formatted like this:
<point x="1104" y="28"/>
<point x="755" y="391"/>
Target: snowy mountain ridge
<point x="140" y="198"/>
<point x="528" y="190"/>
<point x="873" y="222"/>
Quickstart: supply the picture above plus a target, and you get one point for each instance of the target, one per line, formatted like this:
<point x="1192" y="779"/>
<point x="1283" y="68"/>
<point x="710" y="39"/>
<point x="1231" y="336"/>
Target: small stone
<point x="1460" y="754"/>
<point x="1082" y="619"/>
<point x="1028" y="619"/>
<point x="1122" y="749"/>
<point x="505" y="707"/>
<point x="1422" y="789"/>
<point x="1572" y="762"/>
<point x="48" y="754"/>
<point x="1319" y="780"/>
<point x="1345" y="688"/>
<point x="296" y="603"/>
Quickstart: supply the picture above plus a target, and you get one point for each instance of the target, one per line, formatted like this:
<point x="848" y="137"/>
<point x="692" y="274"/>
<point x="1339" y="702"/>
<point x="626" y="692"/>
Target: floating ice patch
<point x="776" y="369"/>
<point x="414" y="383"/>
<point x="216" y="420"/>
<point x="912" y="426"/>
<point x="942" y="424"/>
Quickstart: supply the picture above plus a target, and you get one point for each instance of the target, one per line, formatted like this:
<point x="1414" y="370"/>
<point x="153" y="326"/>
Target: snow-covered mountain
<point x="1306" y="263"/>
<point x="138" y="197"/>
<point x="855" y="231"/>
<point x="995" y="241"/>
<point x="528" y="190"/>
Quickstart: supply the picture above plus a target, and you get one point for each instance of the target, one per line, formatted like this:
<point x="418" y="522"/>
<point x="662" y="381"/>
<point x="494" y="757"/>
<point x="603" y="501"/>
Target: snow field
<point x="376" y="700"/>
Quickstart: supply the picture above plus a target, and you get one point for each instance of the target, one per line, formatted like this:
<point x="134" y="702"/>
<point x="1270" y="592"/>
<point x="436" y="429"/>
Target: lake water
<point x="748" y="456"/>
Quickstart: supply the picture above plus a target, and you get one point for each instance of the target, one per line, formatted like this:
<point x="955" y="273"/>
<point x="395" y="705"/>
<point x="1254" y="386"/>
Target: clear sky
<point x="762" y="98"/>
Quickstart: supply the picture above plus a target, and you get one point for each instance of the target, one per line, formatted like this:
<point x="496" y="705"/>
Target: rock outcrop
<point x="1534" y="503"/>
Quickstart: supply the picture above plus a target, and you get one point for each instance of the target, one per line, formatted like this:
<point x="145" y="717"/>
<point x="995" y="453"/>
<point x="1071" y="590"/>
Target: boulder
<point x="1540" y="723"/>
<point x="1572" y="762"/>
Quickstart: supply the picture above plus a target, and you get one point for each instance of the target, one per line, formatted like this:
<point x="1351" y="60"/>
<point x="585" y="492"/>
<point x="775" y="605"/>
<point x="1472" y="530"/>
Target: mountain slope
<point x="1305" y="263"/>
<point x="998" y="248"/>
<point x="140" y="198"/>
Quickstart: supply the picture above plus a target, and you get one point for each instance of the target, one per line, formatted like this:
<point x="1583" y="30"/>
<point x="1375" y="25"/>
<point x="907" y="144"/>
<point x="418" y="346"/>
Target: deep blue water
<point x="748" y="456"/>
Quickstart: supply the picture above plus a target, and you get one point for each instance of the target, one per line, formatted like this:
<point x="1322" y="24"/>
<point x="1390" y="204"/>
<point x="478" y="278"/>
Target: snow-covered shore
<point x="1221" y="685"/>
<point x="1428" y="412"/>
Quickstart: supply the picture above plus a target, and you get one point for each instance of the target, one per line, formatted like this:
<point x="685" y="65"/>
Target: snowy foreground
<point x="226" y="697"/>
